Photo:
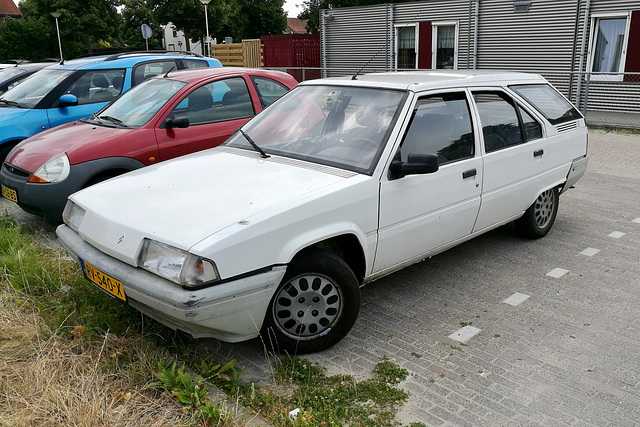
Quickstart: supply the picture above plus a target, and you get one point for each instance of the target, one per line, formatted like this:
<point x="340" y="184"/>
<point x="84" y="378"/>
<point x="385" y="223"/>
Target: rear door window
<point x="268" y="90"/>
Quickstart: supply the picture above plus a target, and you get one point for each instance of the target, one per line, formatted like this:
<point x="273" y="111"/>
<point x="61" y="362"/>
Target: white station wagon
<point x="340" y="182"/>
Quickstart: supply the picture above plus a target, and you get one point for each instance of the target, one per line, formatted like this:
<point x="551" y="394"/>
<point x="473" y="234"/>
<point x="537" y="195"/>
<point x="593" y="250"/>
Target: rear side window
<point x="147" y="70"/>
<point x="97" y="86"/>
<point x="268" y="89"/>
<point x="440" y="124"/>
<point x="553" y="106"/>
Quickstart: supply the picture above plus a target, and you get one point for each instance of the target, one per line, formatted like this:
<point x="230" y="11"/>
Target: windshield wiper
<point x="114" y="120"/>
<point x="12" y="103"/>
<point x="254" y="145"/>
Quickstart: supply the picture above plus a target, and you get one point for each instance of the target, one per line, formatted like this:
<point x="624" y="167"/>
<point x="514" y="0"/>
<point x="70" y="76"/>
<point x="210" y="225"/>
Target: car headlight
<point x="55" y="170"/>
<point x="72" y="215"/>
<point x="181" y="267"/>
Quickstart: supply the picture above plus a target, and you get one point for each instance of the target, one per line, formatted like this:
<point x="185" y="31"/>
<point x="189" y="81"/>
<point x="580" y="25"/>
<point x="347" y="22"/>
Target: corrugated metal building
<point x="565" y="40"/>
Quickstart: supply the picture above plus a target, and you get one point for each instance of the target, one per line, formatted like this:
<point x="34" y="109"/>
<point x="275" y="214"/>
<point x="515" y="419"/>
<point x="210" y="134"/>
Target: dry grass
<point x="53" y="380"/>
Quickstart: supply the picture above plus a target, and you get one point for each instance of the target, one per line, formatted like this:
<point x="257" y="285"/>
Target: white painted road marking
<point x="516" y="299"/>
<point x="464" y="334"/>
<point x="590" y="251"/>
<point x="617" y="234"/>
<point x="637" y="220"/>
<point x="557" y="273"/>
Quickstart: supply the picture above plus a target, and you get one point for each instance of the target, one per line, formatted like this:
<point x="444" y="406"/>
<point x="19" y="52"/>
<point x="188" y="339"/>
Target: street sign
<point x="146" y="31"/>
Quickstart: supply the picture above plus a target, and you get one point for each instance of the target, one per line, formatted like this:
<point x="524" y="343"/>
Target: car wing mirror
<point x="178" y="122"/>
<point x="67" y="100"/>
<point x="416" y="164"/>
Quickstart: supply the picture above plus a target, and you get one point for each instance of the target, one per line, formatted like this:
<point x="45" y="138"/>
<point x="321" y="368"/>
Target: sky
<point x="292" y="7"/>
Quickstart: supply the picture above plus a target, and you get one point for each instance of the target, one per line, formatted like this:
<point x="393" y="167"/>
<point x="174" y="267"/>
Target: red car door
<point x="214" y="111"/>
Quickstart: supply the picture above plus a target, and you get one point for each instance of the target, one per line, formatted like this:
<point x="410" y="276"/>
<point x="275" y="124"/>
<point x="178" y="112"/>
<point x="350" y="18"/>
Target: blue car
<point x="78" y="88"/>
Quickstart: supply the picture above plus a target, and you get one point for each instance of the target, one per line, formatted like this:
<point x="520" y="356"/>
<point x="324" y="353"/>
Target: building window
<point x="444" y="45"/>
<point x="406" y="47"/>
<point x="175" y="33"/>
<point x="609" y="37"/>
<point x="172" y="46"/>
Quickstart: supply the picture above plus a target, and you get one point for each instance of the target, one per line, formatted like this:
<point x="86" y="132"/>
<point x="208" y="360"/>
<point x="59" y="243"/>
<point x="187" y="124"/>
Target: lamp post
<point x="56" y="15"/>
<point x="206" y="22"/>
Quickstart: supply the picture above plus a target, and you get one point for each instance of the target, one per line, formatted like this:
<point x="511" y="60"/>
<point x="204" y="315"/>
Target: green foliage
<point x="190" y="392"/>
<point x="336" y="400"/>
<point x="226" y="377"/>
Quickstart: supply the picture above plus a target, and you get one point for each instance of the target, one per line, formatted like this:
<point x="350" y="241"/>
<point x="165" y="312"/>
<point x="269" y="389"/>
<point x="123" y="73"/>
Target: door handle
<point x="469" y="173"/>
<point x="538" y="153"/>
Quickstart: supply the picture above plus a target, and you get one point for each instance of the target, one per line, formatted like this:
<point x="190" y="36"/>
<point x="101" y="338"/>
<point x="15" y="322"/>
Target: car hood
<point x="33" y="152"/>
<point x="186" y="200"/>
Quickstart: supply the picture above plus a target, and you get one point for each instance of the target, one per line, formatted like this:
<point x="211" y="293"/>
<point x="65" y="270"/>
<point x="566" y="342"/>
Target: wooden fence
<point x="245" y="54"/>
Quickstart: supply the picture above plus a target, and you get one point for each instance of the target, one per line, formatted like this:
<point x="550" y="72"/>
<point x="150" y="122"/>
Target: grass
<point x="70" y="355"/>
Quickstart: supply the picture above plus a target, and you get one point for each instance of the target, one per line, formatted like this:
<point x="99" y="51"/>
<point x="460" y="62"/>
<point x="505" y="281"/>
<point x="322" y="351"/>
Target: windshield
<point x="138" y="105"/>
<point x="345" y="127"/>
<point x="28" y="93"/>
<point x="7" y="73"/>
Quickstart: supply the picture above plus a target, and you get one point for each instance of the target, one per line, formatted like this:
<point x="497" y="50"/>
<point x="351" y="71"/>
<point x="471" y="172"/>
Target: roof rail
<point x="151" y="52"/>
<point x="17" y="61"/>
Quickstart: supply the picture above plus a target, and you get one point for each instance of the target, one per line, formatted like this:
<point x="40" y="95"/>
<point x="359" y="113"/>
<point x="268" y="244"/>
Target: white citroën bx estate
<point x="338" y="183"/>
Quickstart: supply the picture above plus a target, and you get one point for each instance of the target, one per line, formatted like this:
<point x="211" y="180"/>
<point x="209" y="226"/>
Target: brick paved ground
<point x="565" y="352"/>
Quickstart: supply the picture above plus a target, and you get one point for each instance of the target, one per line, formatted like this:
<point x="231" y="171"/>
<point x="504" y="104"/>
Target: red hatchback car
<point x="165" y="117"/>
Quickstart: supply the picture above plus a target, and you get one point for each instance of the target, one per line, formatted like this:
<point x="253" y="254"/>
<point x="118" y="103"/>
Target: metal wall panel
<point x="541" y="39"/>
<point x="356" y="37"/>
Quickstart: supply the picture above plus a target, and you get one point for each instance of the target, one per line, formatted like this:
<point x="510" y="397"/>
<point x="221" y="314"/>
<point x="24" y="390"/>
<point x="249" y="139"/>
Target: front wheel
<point x="538" y="219"/>
<point x="315" y="306"/>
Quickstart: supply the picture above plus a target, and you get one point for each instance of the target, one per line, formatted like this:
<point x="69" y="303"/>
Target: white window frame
<point x="397" y="29"/>
<point x="595" y="18"/>
<point x="434" y="41"/>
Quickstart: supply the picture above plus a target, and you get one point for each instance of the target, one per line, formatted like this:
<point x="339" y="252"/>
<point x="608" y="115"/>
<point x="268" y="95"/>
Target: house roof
<point x="295" y="25"/>
<point x="9" y="8"/>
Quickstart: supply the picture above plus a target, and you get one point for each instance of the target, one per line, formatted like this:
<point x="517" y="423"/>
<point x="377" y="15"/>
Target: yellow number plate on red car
<point x="103" y="281"/>
<point x="10" y="194"/>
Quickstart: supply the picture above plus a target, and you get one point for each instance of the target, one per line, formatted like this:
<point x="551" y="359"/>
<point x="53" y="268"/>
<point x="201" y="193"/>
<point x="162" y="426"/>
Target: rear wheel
<point x="315" y="306"/>
<point x="539" y="218"/>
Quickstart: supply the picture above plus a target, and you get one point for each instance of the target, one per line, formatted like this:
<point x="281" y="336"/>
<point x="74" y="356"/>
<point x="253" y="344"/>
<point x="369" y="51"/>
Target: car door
<point x="214" y="111"/>
<point x="94" y="89"/>
<point x="419" y="213"/>
<point x="515" y="157"/>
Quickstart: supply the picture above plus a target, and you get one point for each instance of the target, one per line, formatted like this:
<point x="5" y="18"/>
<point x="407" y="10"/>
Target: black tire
<point x="315" y="305"/>
<point x="539" y="218"/>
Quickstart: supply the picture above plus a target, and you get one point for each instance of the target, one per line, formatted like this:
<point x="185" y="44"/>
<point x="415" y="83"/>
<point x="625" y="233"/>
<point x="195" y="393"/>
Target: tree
<point x="84" y="24"/>
<point x="135" y="13"/>
<point x="261" y="17"/>
<point x="28" y="38"/>
<point x="227" y="18"/>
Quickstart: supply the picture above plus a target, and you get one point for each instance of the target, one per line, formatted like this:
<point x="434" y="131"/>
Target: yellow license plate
<point x="104" y="281"/>
<point x="10" y="194"/>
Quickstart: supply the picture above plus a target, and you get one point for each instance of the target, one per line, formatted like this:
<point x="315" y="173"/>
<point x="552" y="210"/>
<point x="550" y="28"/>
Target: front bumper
<point x="39" y="199"/>
<point x="232" y="311"/>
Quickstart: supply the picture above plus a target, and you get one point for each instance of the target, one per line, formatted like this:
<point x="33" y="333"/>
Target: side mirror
<point x="178" y="122"/>
<point x="67" y="100"/>
<point x="416" y="164"/>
